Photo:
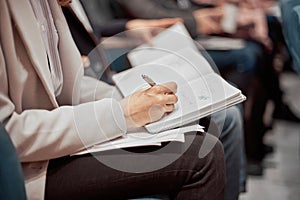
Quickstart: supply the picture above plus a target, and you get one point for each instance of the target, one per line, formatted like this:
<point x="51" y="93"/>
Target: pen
<point x="148" y="80"/>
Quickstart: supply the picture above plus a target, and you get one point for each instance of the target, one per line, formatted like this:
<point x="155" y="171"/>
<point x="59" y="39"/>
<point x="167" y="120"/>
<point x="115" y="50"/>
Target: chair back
<point x="290" y="12"/>
<point x="11" y="177"/>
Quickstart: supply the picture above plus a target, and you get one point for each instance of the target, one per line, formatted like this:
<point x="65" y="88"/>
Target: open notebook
<point x="201" y="91"/>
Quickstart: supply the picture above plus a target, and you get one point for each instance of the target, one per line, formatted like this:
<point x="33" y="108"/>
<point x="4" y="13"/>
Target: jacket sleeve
<point x="93" y="90"/>
<point x="40" y="134"/>
<point x="151" y="9"/>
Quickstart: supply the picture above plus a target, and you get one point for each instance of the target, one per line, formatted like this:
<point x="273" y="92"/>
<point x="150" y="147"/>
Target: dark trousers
<point x="191" y="170"/>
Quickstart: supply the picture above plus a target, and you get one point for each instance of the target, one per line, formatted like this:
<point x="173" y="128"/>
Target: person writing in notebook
<point x="51" y="111"/>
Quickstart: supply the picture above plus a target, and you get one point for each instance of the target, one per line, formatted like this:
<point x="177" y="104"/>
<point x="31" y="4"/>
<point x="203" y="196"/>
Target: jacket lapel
<point x="23" y="16"/>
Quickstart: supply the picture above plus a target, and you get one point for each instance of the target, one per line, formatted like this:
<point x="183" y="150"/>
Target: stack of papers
<point x="141" y="137"/>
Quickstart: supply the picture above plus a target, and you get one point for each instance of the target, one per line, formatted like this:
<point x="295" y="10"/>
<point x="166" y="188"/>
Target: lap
<point x="243" y="59"/>
<point x="120" y="174"/>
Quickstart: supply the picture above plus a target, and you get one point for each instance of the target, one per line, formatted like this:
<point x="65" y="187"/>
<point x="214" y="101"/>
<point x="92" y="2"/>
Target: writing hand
<point x="149" y="105"/>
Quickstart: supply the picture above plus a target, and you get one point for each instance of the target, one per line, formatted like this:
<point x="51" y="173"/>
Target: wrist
<point x="128" y="119"/>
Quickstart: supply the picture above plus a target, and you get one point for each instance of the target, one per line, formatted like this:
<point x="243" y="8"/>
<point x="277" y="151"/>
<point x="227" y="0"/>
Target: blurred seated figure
<point x="104" y="25"/>
<point x="200" y="20"/>
<point x="231" y="129"/>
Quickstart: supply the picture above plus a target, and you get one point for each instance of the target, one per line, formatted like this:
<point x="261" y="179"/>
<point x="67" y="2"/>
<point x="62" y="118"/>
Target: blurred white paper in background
<point x="228" y="23"/>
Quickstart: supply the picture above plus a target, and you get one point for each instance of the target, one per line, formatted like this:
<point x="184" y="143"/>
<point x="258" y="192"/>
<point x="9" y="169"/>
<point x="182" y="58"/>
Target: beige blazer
<point x="42" y="126"/>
